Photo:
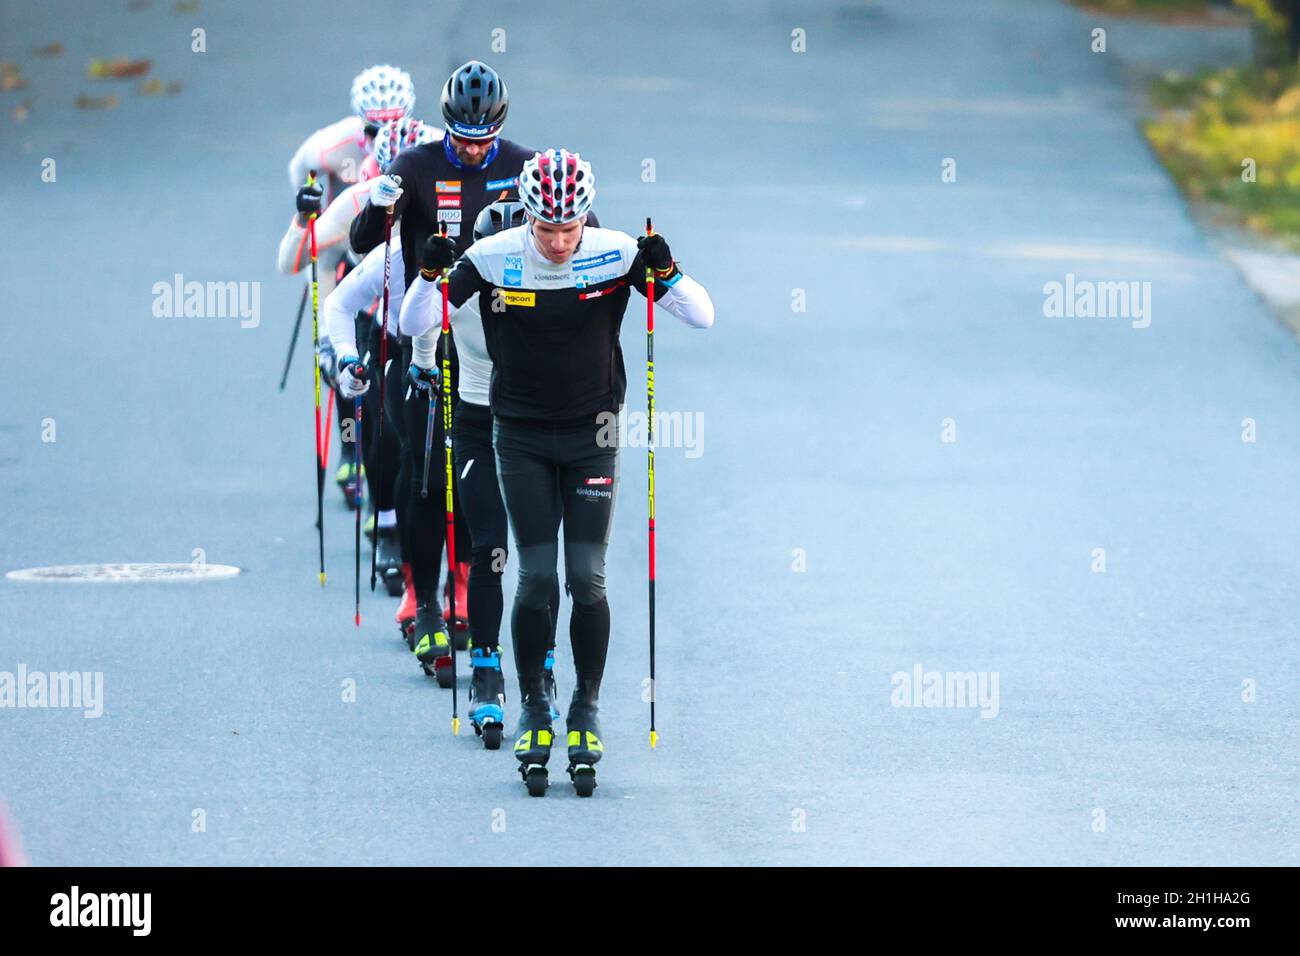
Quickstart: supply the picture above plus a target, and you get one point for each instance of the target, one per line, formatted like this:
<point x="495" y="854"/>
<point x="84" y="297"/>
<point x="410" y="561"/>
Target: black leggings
<point x="551" y="474"/>
<point x="478" y="498"/>
<point x="382" y="463"/>
<point x="423" y="517"/>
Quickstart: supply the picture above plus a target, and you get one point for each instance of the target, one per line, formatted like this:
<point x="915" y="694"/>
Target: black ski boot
<point x="585" y="746"/>
<point x="388" y="561"/>
<point x="533" y="737"/>
<point x="432" y="644"/>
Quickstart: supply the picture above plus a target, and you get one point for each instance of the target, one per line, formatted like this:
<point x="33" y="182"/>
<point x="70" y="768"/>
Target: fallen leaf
<point x="85" y="102"/>
<point x="150" y="87"/>
<point x="118" y="69"/>
<point x="50" y="49"/>
<point x="11" y="81"/>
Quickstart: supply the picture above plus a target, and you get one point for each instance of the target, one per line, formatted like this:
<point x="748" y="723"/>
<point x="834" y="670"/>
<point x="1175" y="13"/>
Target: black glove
<point x="439" y="253"/>
<point x="655" y="253"/>
<point x="423" y="378"/>
<point x="309" y="198"/>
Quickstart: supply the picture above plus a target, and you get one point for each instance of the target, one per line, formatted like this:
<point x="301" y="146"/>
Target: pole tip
<point x="455" y="726"/>
<point x="357" y="620"/>
<point x="654" y="739"/>
<point x="322" y="579"/>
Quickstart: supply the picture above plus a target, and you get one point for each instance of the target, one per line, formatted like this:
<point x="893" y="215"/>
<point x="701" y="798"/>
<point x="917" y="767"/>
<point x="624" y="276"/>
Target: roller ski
<point x="433" y="645"/>
<point x="487" y="696"/>
<point x="533" y="739"/>
<point x="405" y="616"/>
<point x="462" y="605"/>
<point x="350" y="480"/>
<point x="585" y="747"/>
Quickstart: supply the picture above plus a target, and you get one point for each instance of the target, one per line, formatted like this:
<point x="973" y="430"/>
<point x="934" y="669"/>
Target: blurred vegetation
<point x="1210" y="124"/>
<point x="1149" y="7"/>
<point x="1233" y="136"/>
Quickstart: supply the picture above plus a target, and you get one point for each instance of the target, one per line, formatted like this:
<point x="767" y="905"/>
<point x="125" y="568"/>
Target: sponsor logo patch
<point x="513" y="297"/>
<point x="514" y="270"/>
<point x="447" y="186"/>
<point x="510" y="183"/>
<point x="453" y="229"/>
<point x="448" y="201"/>
<point x="449" y="215"/>
<point x="597" y="293"/>
<point x="599" y="481"/>
<point x="592" y="262"/>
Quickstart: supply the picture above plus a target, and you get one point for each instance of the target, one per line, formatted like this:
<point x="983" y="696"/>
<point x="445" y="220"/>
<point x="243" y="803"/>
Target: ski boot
<point x="462" y="605"/>
<point x="585" y="747"/>
<point x="533" y="739"/>
<point x="351" y="481"/>
<point x="405" y="616"/>
<point x="487" y="696"/>
<point x="388" y="561"/>
<point x="552" y="694"/>
<point x="433" y="645"/>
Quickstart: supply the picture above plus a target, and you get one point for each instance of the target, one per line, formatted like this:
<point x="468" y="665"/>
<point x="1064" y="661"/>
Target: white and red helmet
<point x="557" y="186"/>
<point x="392" y="138"/>
<point x="382" y="94"/>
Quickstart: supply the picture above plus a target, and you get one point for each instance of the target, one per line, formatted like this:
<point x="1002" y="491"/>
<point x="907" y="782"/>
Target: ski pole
<point x="428" y="446"/>
<point x="382" y="377"/>
<point x="650" y="452"/>
<point x="356" y="445"/>
<point x="293" y="342"/>
<point x="451" y="504"/>
<point x="315" y="345"/>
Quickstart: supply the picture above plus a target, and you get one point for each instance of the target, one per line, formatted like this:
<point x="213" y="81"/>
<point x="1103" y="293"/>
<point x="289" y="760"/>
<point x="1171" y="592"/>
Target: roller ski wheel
<point x="393" y="584"/>
<point x="408" y="634"/>
<point x="533" y="739"/>
<point x="585" y="747"/>
<point x="535" y="780"/>
<point x="443" y="673"/>
<point x="487" y="696"/>
<point x="583" y="776"/>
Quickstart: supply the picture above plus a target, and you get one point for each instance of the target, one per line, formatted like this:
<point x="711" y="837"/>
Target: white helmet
<point x="392" y="138"/>
<point x="382" y="94"/>
<point x="557" y="186"/>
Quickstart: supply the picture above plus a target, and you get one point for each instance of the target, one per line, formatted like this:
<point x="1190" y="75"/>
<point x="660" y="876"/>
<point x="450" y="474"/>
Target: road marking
<point x="123" y="573"/>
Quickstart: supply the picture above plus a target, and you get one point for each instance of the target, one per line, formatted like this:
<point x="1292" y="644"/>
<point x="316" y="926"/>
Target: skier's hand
<point x="385" y="191"/>
<point x="439" y="253"/>
<point x="655" y="253"/>
<point x="352" y="377"/>
<point x="309" y="200"/>
<point x="326" y="360"/>
<point x="423" y="378"/>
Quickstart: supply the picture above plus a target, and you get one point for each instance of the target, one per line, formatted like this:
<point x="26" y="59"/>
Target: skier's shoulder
<point x="510" y="153"/>
<point x="349" y="127"/>
<point x="492" y="250"/>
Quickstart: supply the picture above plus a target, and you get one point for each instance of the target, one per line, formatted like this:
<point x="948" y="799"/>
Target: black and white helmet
<point x="502" y="214"/>
<point x="382" y="94"/>
<point x="475" y="101"/>
<point x="557" y="186"/>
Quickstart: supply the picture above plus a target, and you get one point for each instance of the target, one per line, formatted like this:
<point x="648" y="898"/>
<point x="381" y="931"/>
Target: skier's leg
<point x="588" y="484"/>
<point x="424" y="525"/>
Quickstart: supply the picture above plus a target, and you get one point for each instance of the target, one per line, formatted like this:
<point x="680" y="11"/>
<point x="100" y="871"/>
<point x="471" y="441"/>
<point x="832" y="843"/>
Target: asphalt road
<point x="826" y="538"/>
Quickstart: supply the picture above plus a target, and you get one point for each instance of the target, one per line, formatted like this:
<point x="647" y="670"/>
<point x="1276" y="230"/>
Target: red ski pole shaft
<point x="650" y="452"/>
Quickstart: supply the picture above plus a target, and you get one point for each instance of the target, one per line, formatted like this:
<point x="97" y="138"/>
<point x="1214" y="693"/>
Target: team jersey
<point x="437" y="188"/>
<point x="552" y="331"/>
<point x="362" y="290"/>
<point x="467" y="329"/>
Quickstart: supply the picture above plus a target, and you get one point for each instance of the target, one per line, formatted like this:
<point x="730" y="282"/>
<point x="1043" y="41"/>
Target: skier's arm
<point x="354" y="294"/>
<point x="673" y="289"/>
<point x="295" y="248"/>
<point x="368" y="227"/>
<point x="424" y="299"/>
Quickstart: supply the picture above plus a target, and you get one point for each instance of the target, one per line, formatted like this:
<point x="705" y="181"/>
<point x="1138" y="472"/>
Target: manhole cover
<point x="124" y="573"/>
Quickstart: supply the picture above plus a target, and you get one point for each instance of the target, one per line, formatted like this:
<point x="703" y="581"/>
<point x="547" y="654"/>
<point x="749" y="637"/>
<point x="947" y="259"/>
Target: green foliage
<point x="1210" y="124"/>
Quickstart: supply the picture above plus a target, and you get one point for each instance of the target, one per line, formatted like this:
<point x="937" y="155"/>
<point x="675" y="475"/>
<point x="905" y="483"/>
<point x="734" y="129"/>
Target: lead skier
<point x="552" y="295"/>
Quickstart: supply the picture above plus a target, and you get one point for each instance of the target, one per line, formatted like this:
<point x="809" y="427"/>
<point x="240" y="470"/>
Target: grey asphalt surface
<point x="1120" y="692"/>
